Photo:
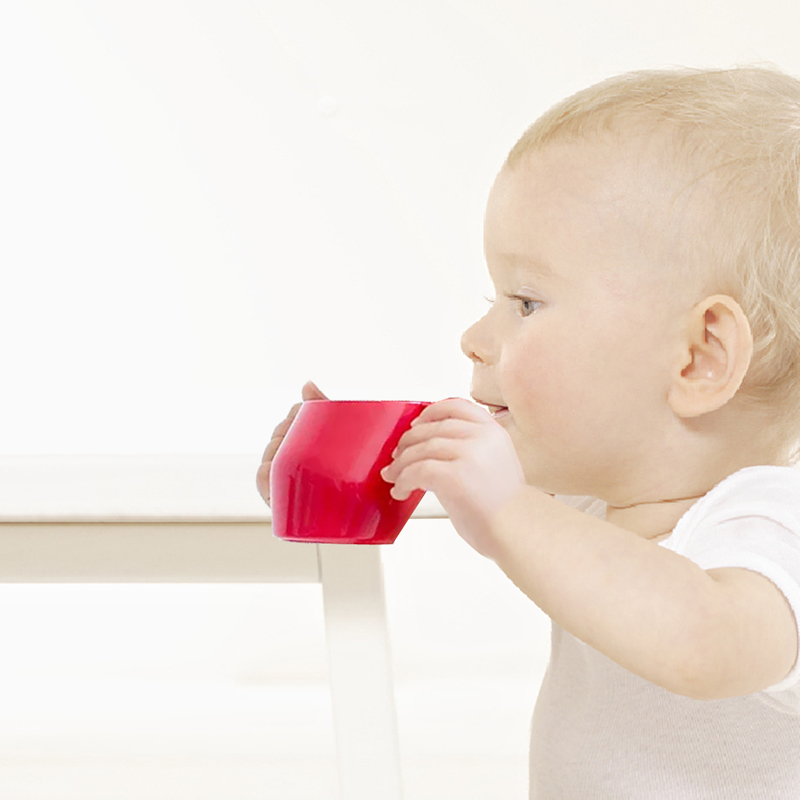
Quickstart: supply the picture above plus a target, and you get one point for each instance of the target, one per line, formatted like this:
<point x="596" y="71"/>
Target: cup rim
<point x="371" y="402"/>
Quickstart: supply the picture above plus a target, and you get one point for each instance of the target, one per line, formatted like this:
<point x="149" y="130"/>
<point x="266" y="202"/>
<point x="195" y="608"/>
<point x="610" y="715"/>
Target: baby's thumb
<point x="312" y="392"/>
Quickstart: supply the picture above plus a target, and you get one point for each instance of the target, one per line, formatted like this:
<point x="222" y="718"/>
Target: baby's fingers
<point x="418" y="464"/>
<point x="454" y="408"/>
<point x="312" y="392"/>
<point x="309" y="392"/>
<point x="262" y="476"/>
<point x="422" y="430"/>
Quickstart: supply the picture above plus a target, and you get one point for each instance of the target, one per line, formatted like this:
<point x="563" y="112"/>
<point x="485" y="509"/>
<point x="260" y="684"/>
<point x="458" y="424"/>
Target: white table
<point x="173" y="519"/>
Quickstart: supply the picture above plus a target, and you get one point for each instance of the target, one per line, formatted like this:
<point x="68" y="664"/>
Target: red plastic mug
<point x="325" y="482"/>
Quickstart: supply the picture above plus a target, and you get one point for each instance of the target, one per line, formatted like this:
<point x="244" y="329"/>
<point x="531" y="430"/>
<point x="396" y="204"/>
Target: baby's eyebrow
<point x="525" y="265"/>
<point x="519" y="268"/>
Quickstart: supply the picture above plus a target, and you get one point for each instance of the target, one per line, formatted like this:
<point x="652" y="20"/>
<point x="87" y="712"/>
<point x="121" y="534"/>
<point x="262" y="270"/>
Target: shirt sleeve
<point x="763" y="545"/>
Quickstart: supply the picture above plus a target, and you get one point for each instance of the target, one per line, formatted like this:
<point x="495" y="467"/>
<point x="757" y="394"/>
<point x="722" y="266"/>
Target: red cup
<point x="325" y="482"/>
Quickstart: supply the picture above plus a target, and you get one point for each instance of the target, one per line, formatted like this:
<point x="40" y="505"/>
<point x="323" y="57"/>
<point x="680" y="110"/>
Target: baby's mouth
<point x="495" y="410"/>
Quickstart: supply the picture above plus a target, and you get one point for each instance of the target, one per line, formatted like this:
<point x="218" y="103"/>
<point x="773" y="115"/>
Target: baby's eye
<point x="525" y="305"/>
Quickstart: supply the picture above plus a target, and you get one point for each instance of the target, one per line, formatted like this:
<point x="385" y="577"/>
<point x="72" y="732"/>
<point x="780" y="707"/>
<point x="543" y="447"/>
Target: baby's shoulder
<point x="765" y="491"/>
<point x="752" y="508"/>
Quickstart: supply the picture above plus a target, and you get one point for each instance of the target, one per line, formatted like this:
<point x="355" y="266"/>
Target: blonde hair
<point x="740" y="130"/>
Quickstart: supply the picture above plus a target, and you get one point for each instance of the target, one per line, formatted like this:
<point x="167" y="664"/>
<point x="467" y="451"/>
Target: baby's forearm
<point x="649" y="609"/>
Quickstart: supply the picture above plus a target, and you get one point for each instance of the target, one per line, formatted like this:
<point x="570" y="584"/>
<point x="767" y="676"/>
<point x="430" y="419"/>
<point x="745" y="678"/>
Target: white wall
<point x="205" y="204"/>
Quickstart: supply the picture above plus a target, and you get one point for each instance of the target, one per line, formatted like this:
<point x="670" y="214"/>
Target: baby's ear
<point x="715" y="357"/>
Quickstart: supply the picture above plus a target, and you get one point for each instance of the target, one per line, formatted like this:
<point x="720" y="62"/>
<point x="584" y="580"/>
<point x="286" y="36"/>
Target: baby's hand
<point x="310" y="392"/>
<point x="456" y="450"/>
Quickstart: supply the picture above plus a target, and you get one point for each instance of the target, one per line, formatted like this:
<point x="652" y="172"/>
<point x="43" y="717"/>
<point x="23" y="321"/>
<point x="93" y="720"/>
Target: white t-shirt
<point x="602" y="733"/>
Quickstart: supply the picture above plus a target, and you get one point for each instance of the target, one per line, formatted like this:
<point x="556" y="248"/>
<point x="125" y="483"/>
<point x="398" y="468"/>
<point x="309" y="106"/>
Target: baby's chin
<point x="555" y="479"/>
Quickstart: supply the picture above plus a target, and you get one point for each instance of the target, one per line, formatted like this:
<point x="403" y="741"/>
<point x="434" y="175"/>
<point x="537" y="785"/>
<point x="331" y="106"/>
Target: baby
<point x="628" y="464"/>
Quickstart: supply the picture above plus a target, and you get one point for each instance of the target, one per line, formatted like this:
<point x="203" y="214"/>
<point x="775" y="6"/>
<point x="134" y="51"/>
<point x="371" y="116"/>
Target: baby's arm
<point x="704" y="634"/>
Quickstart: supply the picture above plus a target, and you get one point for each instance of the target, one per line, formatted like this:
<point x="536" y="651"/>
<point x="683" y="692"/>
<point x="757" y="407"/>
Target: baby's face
<point x="579" y="343"/>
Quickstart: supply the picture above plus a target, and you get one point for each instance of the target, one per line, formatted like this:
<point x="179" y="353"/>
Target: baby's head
<point x="719" y="152"/>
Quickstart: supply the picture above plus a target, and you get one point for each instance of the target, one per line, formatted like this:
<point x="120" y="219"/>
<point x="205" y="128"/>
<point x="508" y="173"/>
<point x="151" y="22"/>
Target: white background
<point x="203" y="205"/>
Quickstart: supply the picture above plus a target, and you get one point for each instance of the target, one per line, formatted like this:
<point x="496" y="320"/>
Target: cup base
<point x="331" y="540"/>
<point x="379" y="528"/>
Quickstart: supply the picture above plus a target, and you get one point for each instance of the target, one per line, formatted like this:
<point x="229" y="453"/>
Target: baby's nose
<point x="467" y="346"/>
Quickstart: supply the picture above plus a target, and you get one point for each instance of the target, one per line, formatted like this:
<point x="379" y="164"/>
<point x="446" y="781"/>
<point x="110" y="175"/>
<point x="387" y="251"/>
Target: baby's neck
<point x="681" y="475"/>
<point x="653" y="520"/>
